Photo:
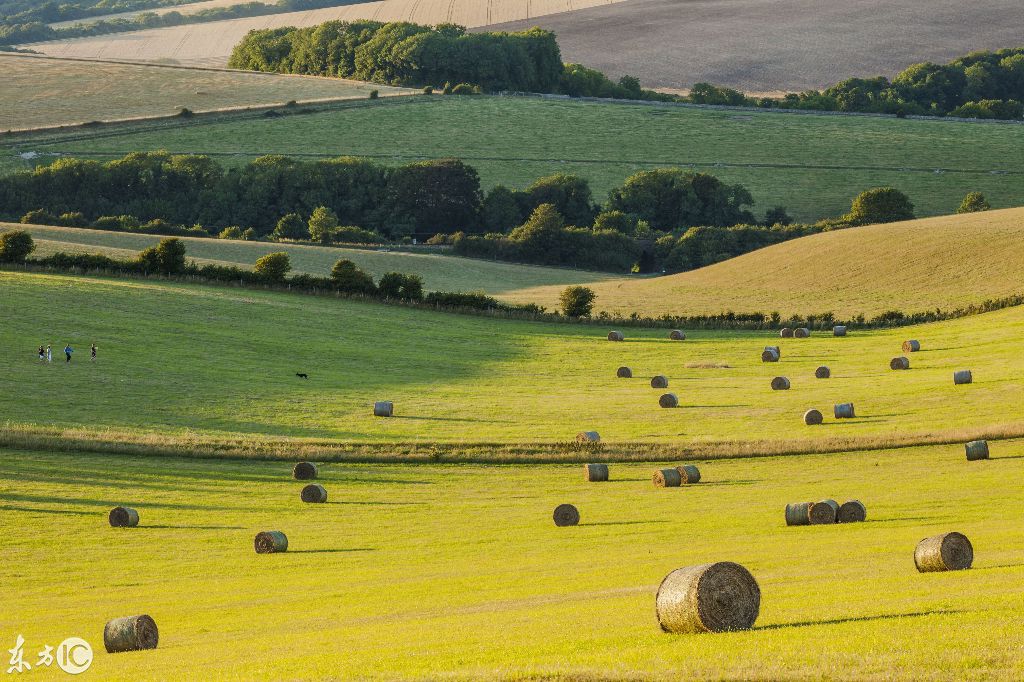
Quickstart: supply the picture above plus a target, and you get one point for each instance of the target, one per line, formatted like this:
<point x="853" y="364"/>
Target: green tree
<point x="669" y="198"/>
<point x="973" y="203"/>
<point x="501" y="210"/>
<point x="776" y="216"/>
<point x="167" y="257"/>
<point x="349" y="278"/>
<point x="274" y="267"/>
<point x="15" y="246"/>
<point x="428" y="197"/>
<point x="577" y="301"/>
<point x="322" y="224"/>
<point x="615" y="220"/>
<point x="233" y="232"/>
<point x="880" y="205"/>
<point x="401" y="286"/>
<point x="291" y="226"/>
<point x="569" y="194"/>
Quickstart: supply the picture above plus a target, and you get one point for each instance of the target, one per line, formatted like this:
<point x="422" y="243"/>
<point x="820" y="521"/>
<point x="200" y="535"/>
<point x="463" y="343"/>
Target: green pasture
<point x="813" y="164"/>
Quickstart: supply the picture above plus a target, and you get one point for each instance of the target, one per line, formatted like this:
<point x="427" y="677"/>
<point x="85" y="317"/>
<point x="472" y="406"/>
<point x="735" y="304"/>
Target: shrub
<point x="349" y="278"/>
<point x="167" y="257"/>
<point x="39" y="217"/>
<point x="291" y="226"/>
<point x="72" y="219"/>
<point x="973" y="203"/>
<point x="446" y="299"/>
<point x="249" y="234"/>
<point x="273" y="267"/>
<point x="776" y="216"/>
<point x="466" y="89"/>
<point x="15" y="246"/>
<point x="615" y="220"/>
<point x="350" y="234"/>
<point x="322" y="224"/>
<point x="428" y="90"/>
<point x="233" y="232"/>
<point x="880" y="205"/>
<point x="374" y="94"/>
<point x="401" y="286"/>
<point x="577" y="301"/>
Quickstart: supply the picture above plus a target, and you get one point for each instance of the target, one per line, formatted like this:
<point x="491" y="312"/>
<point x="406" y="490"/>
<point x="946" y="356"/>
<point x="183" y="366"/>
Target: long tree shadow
<point x="857" y="619"/>
<point x="623" y="523"/>
<point x="83" y="501"/>
<point x="30" y="510"/>
<point x="165" y="526"/>
<point x="332" y="551"/>
<point x="454" y="419"/>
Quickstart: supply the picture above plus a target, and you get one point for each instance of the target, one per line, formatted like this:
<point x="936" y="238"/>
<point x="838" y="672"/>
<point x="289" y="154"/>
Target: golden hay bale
<point x="660" y="381"/>
<point x="822" y="372"/>
<point x="588" y="437"/>
<point x="899" y="363"/>
<point x="839" y="330"/>
<point x="616" y="336"/>
<point x="822" y="512"/>
<point x="977" y="449"/>
<point x="780" y="384"/>
<point x="383" y="408"/>
<point x="688" y="473"/>
<point x="667" y="478"/>
<point x="595" y="473"/>
<point x="852" y="511"/>
<point x="131" y="633"/>
<point x="624" y="373"/>
<point x="801" y="333"/>
<point x="677" y="335"/>
<point x="668" y="400"/>
<point x="566" y="515"/>
<point x="718" y="597"/>
<point x="305" y="471"/>
<point x="786" y="333"/>
<point x="911" y="346"/>
<point x="271" y="542"/>
<point x="314" y="493"/>
<point x="123" y="517"/>
<point x="843" y="411"/>
<point x="946" y="552"/>
<point x="798" y="514"/>
<point x="770" y="355"/>
<point x="962" y="376"/>
<point x="813" y="417"/>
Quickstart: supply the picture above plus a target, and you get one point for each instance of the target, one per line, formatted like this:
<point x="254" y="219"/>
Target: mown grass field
<point x="213" y="369"/>
<point x="457" y="571"/>
<point x="812" y="164"/>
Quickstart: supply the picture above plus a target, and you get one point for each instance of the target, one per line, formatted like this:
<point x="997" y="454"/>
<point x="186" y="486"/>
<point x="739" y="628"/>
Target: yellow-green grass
<point x="810" y="163"/>
<point x="457" y="571"/>
<point x="201" y="368"/>
<point x="41" y="92"/>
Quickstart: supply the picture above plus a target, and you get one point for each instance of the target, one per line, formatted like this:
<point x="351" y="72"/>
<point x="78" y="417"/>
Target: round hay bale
<point x="688" y="473"/>
<point x="668" y="400"/>
<point x="718" y="597"/>
<point x="383" y="408"/>
<point x="131" y="633"/>
<point x="778" y="351"/>
<point x="271" y="542"/>
<point x="769" y="355"/>
<point x="813" y="417"/>
<point x="899" y="363"/>
<point x="839" y="330"/>
<point x="566" y="515"/>
<point x="911" y="346"/>
<point x="677" y="335"/>
<point x="852" y="511"/>
<point x="314" y="493"/>
<point x="780" y="384"/>
<point x="616" y="336"/>
<point x="844" y="411"/>
<point x="588" y="437"/>
<point x="946" y="552"/>
<point x="801" y="333"/>
<point x="624" y="373"/>
<point x="660" y="381"/>
<point x="595" y="473"/>
<point x="962" y="376"/>
<point x="798" y="514"/>
<point x="123" y="517"/>
<point x="667" y="478"/>
<point x="305" y="471"/>
<point x="977" y="449"/>
<point x="822" y="372"/>
<point x="822" y="512"/>
<point x="786" y="333"/>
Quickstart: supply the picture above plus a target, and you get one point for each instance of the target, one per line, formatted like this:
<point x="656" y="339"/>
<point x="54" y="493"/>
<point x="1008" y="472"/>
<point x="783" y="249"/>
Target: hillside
<point x="812" y="164"/>
<point x="185" y="9"/>
<point x="35" y="90"/>
<point x="766" y="46"/>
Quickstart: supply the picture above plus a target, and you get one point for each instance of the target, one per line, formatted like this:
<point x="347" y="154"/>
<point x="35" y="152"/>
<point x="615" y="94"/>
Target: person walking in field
<point x="92" y="353"/>
<point x="68" y="350"/>
<point x="42" y="354"/>
<point x="49" y="353"/>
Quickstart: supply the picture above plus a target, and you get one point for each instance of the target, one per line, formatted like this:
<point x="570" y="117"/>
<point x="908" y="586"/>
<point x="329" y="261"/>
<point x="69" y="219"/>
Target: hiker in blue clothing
<point x="68" y="350"/>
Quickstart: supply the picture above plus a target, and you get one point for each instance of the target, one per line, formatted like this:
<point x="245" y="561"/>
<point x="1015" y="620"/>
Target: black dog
<point x="301" y="375"/>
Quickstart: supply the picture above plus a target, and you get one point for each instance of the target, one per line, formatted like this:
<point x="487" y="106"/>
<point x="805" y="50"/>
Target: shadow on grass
<point x="455" y="419"/>
<point x="906" y="518"/>
<point x="989" y="568"/>
<point x="12" y="508"/>
<point x="332" y="551"/>
<point x="1009" y="457"/>
<point x="191" y="527"/>
<point x="857" y="619"/>
<point x="623" y="523"/>
<point x="84" y="501"/>
<point x="378" y="504"/>
<point x="711" y="484"/>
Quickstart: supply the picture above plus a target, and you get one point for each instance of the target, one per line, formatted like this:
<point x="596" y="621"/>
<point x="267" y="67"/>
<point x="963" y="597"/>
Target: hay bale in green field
<point x="798" y="514"/>
<point x="822" y="372"/>
<point x="780" y="384"/>
<point x="660" y="381"/>
<point x="566" y="515"/>
<point x="616" y="336"/>
<point x="852" y="511"/>
<point x="624" y="373"/>
<point x="839" y="330"/>
<point x="314" y="493"/>
<point x="677" y="335"/>
<point x="131" y="633"/>
<point x="770" y="355"/>
<point x="305" y="471"/>
<point x="667" y="478"/>
<point x="271" y="542"/>
<point x="976" y="449"/>
<point x="588" y="437"/>
<point x="899" y="363"/>
<point x="123" y="517"/>
<point x="688" y="473"/>
<point x="962" y="376"/>
<point x="813" y="417"/>
<point x="786" y="333"/>
<point x="719" y="597"/>
<point x="946" y="552"/>
<point x="668" y="400"/>
<point x="911" y="346"/>
<point x="843" y="411"/>
<point x="801" y="333"/>
<point x="383" y="408"/>
<point x="823" y="512"/>
<point x="596" y="473"/>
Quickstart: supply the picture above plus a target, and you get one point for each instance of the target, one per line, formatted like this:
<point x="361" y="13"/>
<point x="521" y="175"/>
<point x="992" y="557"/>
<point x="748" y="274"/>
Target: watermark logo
<point x="73" y="656"/>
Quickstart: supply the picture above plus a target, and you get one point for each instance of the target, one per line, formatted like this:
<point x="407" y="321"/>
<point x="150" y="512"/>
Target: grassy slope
<point x="36" y="91"/>
<point x="220" y="362"/>
<point x="457" y="571"/>
<point x="828" y="159"/>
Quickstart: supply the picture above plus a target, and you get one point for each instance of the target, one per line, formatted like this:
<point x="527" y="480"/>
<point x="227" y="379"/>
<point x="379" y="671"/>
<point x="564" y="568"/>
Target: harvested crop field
<point x="772" y="45"/>
<point x="41" y="92"/>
